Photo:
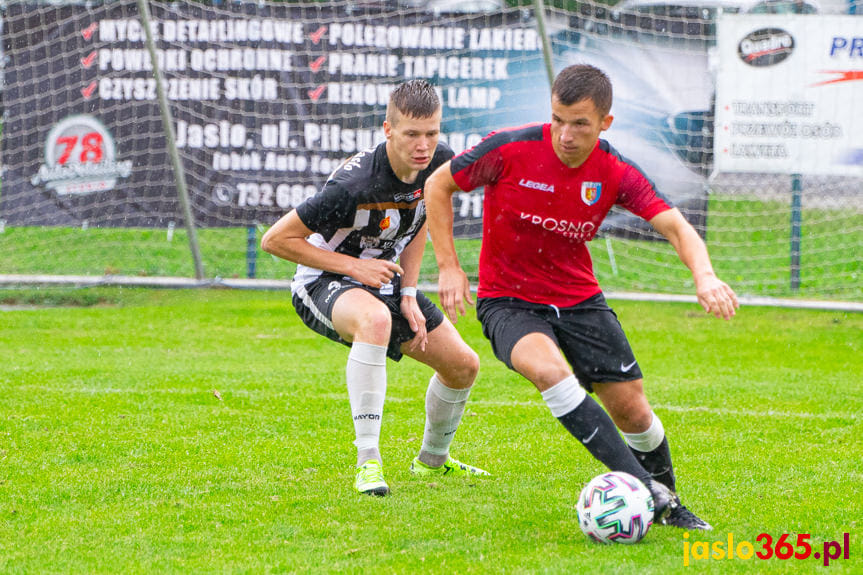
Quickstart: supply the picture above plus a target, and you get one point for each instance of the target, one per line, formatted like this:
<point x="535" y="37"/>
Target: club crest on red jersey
<point x="590" y="192"/>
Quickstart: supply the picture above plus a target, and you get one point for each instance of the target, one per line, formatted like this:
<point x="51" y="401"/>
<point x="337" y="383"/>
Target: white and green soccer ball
<point x="615" y="507"/>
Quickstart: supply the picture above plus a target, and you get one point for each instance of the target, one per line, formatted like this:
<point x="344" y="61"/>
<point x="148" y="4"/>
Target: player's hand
<point x="454" y="290"/>
<point x="375" y="273"/>
<point x="716" y="297"/>
<point x="417" y="321"/>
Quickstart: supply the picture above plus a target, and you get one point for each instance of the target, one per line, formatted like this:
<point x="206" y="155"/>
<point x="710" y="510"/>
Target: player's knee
<point x="471" y="366"/>
<point x="633" y="416"/>
<point x="374" y="323"/>
<point x="542" y="375"/>
<point x="640" y="421"/>
<point x="461" y="372"/>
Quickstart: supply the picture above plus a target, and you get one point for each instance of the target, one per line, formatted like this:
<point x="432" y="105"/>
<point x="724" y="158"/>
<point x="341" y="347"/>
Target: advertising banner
<point x="266" y="100"/>
<point x="789" y="95"/>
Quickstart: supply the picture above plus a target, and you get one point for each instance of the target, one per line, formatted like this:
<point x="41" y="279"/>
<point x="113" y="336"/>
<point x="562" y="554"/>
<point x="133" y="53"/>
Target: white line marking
<point x="720" y="411"/>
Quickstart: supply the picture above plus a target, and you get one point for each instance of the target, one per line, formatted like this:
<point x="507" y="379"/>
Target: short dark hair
<point x="581" y="82"/>
<point x="414" y="98"/>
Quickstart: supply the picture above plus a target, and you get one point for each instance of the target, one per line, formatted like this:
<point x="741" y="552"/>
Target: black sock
<point x="658" y="463"/>
<point x="594" y="429"/>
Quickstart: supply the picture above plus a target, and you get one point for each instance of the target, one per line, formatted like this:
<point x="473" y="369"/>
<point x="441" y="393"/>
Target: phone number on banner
<point x="263" y="195"/>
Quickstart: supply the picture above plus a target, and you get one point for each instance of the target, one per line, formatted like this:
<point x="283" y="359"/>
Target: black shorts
<point x="314" y="304"/>
<point x="588" y="334"/>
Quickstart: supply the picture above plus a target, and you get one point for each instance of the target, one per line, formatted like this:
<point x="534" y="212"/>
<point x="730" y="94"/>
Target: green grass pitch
<point x="116" y="456"/>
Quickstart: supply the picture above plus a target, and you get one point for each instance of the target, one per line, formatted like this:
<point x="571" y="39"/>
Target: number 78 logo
<point x="79" y="139"/>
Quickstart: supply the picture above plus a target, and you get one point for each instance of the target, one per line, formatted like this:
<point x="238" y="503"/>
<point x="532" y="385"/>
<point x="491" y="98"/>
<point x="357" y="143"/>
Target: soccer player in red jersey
<point x="548" y="188"/>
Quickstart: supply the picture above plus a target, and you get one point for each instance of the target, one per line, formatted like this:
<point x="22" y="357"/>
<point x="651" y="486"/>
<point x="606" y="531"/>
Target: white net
<point x="769" y="234"/>
<point x="267" y="98"/>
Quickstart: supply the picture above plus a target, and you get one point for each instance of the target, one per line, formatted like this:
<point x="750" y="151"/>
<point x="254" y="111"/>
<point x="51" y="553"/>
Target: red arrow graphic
<point x="88" y="91"/>
<point x="87" y="32"/>
<point x="316" y="65"/>
<point x="88" y="61"/>
<point x="844" y="76"/>
<point x="316" y="93"/>
<point x="318" y="34"/>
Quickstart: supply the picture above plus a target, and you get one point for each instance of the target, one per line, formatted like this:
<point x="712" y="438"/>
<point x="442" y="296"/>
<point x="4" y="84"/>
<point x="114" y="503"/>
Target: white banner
<point x="789" y="94"/>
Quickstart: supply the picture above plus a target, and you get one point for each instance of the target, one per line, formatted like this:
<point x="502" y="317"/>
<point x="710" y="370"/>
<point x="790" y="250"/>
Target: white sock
<point x="647" y="440"/>
<point x="444" y="408"/>
<point x="564" y="396"/>
<point x="366" y="374"/>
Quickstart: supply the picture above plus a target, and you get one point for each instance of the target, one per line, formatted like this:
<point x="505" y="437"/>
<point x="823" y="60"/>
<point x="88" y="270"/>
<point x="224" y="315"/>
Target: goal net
<point x="267" y="98"/>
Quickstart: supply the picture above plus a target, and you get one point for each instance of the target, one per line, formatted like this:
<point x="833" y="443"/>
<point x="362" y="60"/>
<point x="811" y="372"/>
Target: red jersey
<point x="538" y="213"/>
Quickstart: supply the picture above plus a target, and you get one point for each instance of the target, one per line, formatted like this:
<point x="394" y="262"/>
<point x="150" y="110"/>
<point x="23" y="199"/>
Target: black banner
<point x="266" y="99"/>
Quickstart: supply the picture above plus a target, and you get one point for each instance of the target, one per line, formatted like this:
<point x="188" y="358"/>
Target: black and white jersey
<point x="365" y="211"/>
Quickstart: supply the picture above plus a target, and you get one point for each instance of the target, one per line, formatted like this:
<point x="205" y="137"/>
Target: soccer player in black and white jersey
<point x="359" y="244"/>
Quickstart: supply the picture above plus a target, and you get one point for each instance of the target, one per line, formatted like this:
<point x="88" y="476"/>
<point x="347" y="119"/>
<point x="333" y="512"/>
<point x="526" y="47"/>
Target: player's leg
<point x="642" y="429"/>
<point x="537" y="357"/>
<point x="593" y="340"/>
<point x="456" y="366"/>
<point x="363" y="320"/>
<point x="523" y="337"/>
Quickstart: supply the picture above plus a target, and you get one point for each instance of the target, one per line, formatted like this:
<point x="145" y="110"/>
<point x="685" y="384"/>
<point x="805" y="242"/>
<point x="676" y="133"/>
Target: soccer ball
<point x="615" y="507"/>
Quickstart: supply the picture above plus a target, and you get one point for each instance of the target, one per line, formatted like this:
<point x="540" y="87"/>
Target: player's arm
<point x="411" y="261"/>
<point x="453" y="285"/>
<point x="714" y="295"/>
<point x="287" y="240"/>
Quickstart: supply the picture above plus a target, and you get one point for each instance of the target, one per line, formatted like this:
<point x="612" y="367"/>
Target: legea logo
<point x="765" y="47"/>
<point x="541" y="186"/>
